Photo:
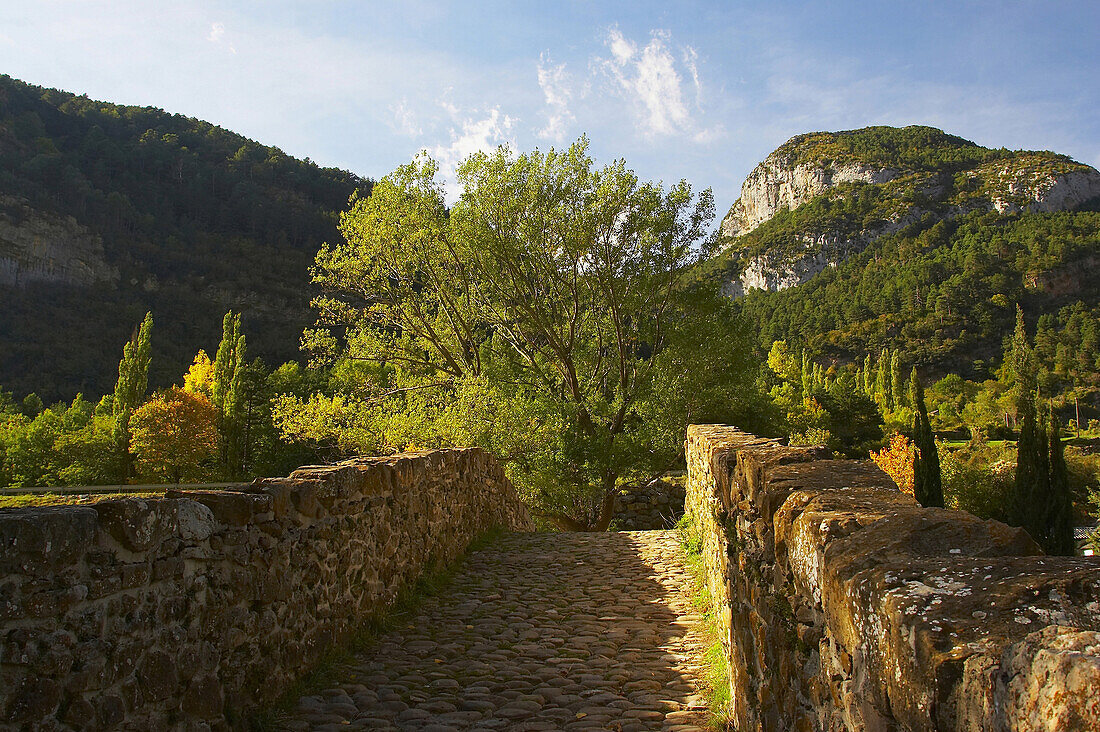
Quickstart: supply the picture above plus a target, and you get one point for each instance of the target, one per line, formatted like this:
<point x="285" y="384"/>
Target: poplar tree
<point x="882" y="381"/>
<point x="897" y="385"/>
<point x="133" y="381"/>
<point x="226" y="395"/>
<point x="927" y="478"/>
<point x="868" y="376"/>
<point x="807" y="378"/>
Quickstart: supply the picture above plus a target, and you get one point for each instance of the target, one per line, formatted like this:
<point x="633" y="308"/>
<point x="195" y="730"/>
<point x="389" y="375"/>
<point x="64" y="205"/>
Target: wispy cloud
<point x="217" y="34"/>
<point x="555" y="84"/>
<point x="484" y="131"/>
<point x="649" y="79"/>
<point x="404" y="119"/>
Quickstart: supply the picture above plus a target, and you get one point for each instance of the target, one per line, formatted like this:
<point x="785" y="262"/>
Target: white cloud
<point x="404" y="119"/>
<point x="472" y="134"/>
<point x="650" y="80"/>
<point x="217" y="33"/>
<point x="554" y="82"/>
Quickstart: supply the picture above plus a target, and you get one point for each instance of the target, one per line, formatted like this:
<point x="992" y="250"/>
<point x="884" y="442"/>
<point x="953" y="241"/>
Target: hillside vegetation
<point x="108" y="211"/>
<point x="930" y="262"/>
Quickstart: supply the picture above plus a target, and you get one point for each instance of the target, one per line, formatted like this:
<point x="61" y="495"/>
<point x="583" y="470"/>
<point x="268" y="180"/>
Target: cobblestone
<point x="580" y="631"/>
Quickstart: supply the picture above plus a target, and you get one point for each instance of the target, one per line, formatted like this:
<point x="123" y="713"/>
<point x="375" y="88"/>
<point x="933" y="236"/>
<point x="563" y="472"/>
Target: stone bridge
<point x="842" y="605"/>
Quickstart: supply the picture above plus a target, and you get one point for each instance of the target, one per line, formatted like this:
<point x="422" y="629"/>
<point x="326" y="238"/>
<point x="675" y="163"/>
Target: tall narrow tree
<point x="882" y="381"/>
<point x="226" y="393"/>
<point x="897" y="383"/>
<point x="1059" y="514"/>
<point x="133" y="380"/>
<point x="1031" y="484"/>
<point x="927" y="478"/>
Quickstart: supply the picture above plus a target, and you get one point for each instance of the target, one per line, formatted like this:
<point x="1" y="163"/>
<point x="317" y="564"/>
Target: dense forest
<point x="191" y="220"/>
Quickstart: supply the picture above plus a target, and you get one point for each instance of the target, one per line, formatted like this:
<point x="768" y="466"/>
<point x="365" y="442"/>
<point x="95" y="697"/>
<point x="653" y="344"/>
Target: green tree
<point x="1058" y="534"/>
<point x="546" y="317"/>
<point x="226" y="395"/>
<point x="882" y="381"/>
<point x="897" y="383"/>
<point x="927" y="478"/>
<point x="133" y="380"/>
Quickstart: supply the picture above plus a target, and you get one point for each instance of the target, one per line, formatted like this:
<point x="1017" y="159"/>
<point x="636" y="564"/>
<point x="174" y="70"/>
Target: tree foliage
<point x="545" y="316"/>
<point x="192" y="217"/>
<point x="175" y="436"/>
<point x="133" y="381"/>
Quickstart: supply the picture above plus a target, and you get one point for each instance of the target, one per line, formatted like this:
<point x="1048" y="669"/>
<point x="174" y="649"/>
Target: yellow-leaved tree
<point x="175" y="436"/>
<point x="896" y="460"/>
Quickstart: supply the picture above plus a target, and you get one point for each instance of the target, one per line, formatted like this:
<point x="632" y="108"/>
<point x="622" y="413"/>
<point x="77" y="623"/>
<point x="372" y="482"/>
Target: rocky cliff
<point x="822" y="197"/>
<point x="38" y="247"/>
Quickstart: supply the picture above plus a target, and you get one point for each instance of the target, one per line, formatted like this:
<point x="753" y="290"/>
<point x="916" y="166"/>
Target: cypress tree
<point x="1059" y="515"/>
<point x="133" y="381"/>
<point x="1031" y="488"/>
<point x="927" y="479"/>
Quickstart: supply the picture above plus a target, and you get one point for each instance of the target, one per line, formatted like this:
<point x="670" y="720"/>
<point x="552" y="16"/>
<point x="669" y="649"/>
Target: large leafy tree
<point x="175" y="435"/>
<point x="546" y="317"/>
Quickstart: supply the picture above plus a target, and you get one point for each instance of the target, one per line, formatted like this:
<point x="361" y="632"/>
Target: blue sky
<point x="695" y="90"/>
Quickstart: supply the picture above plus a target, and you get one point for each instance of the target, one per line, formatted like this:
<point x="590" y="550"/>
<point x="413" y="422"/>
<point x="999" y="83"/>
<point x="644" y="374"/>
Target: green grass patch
<point x="333" y="664"/>
<point x="716" y="679"/>
<point x="35" y="500"/>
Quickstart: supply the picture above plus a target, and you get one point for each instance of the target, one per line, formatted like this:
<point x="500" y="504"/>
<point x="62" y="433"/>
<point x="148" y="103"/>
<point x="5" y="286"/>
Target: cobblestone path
<point x="536" y="632"/>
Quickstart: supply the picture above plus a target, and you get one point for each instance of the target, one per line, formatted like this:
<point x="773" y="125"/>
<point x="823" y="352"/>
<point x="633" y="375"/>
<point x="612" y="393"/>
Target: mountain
<point x="107" y="211"/>
<point x="914" y="239"/>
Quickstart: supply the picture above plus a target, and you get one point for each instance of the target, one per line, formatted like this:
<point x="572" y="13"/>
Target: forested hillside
<point x="920" y="242"/>
<point x="108" y="211"/>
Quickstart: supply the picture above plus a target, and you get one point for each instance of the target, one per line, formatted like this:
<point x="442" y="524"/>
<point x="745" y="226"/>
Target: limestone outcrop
<point x="776" y="184"/>
<point x="191" y="611"/>
<point x="831" y="167"/>
<point x="844" y="605"/>
<point x="37" y="247"/>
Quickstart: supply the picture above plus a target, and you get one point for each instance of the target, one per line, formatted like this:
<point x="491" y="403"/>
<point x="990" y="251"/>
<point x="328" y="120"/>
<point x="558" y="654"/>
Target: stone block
<point x="44" y="540"/>
<point x="138" y="524"/>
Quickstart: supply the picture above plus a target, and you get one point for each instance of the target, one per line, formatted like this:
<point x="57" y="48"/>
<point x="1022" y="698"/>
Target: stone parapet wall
<point x="658" y="504"/>
<point x="195" y="610"/>
<point x="844" y="605"/>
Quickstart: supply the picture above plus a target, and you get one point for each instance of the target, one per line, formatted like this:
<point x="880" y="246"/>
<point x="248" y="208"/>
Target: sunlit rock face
<point x="774" y="185"/>
<point x="797" y="175"/>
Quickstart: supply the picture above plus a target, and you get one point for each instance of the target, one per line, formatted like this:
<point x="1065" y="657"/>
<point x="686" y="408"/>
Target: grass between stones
<point x="717" y="687"/>
<point x="328" y="671"/>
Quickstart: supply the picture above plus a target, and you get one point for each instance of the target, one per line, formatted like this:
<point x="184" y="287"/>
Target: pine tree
<point x="927" y="478"/>
<point x="133" y="380"/>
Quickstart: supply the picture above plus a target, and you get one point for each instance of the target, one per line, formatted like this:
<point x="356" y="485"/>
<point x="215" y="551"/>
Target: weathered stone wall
<point x="844" y="605"/>
<point x="192" y="611"/>
<point x="658" y="504"/>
